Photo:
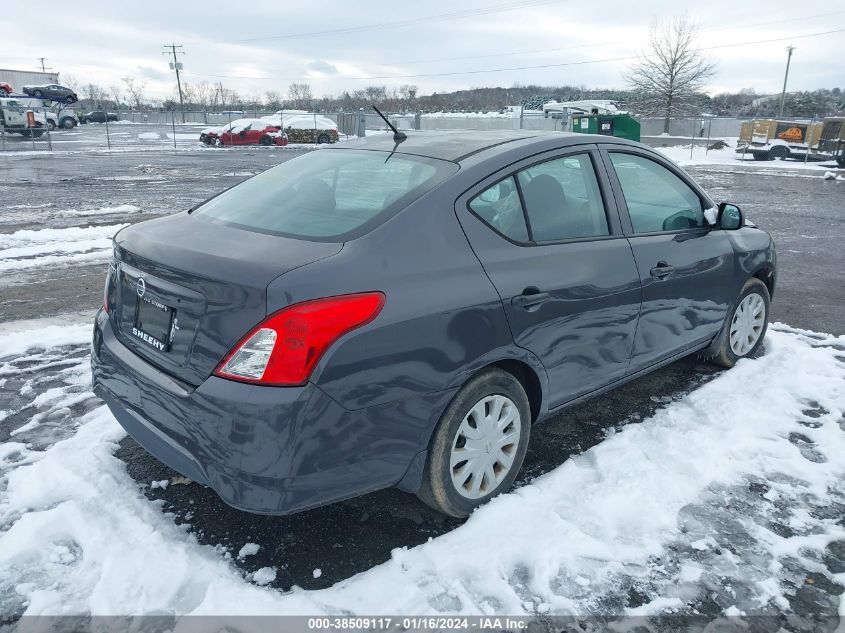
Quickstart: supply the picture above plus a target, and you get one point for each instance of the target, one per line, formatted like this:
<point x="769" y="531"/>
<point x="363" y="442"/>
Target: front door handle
<point x="530" y="299"/>
<point x="662" y="270"/>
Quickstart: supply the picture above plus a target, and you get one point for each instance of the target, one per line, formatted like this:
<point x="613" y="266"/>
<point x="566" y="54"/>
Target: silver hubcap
<point x="485" y="446"/>
<point x="747" y="324"/>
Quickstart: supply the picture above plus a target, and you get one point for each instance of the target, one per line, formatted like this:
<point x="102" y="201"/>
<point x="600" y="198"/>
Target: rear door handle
<point x="530" y="299"/>
<point x="662" y="270"/>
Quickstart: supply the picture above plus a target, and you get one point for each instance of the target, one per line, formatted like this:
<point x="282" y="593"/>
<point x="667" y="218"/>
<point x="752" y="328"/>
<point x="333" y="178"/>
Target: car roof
<point x="459" y="145"/>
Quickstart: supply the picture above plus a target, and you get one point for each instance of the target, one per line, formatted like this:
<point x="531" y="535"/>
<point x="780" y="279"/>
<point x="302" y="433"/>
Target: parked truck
<point x="15" y="120"/>
<point x="767" y="139"/>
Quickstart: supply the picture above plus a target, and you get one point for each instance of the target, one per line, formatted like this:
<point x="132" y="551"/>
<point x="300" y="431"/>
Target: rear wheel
<point x="779" y="151"/>
<point x="746" y="326"/>
<point x="323" y="138"/>
<point x="479" y="444"/>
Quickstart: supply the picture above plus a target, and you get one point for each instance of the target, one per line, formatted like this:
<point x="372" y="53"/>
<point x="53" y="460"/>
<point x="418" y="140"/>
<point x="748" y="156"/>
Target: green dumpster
<point x="620" y="125"/>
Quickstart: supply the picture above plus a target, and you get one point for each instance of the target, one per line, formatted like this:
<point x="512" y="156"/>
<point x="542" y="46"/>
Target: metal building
<point x="19" y="78"/>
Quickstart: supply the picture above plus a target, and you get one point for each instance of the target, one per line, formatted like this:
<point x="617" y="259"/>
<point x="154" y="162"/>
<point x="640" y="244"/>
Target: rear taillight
<point x="284" y="348"/>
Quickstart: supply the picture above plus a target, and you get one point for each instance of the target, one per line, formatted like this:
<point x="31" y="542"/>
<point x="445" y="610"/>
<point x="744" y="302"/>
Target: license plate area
<point x="153" y="321"/>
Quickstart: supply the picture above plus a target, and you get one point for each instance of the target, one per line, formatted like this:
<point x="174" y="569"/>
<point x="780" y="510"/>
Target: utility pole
<point x="177" y="66"/>
<point x="43" y="67"/>
<point x="789" y="50"/>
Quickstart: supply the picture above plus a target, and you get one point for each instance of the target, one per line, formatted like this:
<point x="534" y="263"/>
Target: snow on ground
<point x="49" y="247"/>
<point x="722" y="496"/>
<point x="51" y="215"/>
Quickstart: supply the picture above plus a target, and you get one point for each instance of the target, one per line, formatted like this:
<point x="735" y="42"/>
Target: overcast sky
<point x="262" y="45"/>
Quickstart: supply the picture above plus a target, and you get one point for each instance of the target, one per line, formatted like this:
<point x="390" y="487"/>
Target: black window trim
<point x="592" y="150"/>
<point x="605" y="149"/>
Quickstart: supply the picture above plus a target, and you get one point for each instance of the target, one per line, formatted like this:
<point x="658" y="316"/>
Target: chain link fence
<point x="150" y="130"/>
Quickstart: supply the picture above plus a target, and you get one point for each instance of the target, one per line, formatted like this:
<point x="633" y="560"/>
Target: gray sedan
<point x="401" y="312"/>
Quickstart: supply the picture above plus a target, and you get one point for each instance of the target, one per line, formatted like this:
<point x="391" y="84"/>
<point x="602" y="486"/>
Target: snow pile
<point x="149" y="136"/>
<point x="832" y="175"/>
<point x="648" y="508"/>
<point x="29" y="249"/>
<point x="250" y="549"/>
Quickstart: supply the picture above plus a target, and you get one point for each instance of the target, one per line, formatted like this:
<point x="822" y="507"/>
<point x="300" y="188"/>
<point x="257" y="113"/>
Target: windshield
<point x="329" y="195"/>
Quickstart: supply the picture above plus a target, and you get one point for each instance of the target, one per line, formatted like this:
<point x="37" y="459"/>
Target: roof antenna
<point x="398" y="136"/>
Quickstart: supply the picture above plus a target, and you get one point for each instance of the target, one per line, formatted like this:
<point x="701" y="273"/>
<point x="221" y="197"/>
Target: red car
<point x="245" y="132"/>
<point x="5" y="88"/>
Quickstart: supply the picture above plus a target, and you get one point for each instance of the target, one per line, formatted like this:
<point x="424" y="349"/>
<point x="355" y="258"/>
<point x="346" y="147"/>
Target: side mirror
<point x="730" y="217"/>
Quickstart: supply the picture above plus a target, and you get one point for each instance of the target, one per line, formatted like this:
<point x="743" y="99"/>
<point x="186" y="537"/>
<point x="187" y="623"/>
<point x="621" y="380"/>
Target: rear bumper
<point x="266" y="450"/>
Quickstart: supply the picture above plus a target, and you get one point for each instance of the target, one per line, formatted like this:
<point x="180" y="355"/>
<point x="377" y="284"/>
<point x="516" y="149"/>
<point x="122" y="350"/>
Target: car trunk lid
<point x="187" y="289"/>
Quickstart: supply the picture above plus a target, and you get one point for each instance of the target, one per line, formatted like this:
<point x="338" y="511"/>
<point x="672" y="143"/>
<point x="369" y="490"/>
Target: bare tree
<point x="136" y="90"/>
<point x="94" y="94"/>
<point x="203" y="90"/>
<point x="71" y="82"/>
<point x="300" y="95"/>
<point x="670" y="71"/>
<point x="408" y="92"/>
<point x="115" y="93"/>
<point x="274" y="100"/>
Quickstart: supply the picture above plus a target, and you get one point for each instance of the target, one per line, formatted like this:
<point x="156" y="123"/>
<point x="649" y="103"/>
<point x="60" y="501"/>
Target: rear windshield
<point x="327" y="195"/>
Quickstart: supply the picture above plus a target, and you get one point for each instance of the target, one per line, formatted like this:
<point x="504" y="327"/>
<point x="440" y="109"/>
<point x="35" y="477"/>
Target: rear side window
<point x="562" y="199"/>
<point x="657" y="199"/>
<point x="329" y="195"/>
<point x="499" y="206"/>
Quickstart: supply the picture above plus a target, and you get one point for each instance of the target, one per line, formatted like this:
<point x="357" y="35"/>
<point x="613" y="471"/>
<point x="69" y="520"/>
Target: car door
<point x="253" y="133"/>
<point x="686" y="267"/>
<point x="547" y="233"/>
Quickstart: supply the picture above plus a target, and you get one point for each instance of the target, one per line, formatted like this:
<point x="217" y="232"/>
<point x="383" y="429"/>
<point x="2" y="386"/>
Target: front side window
<point x="326" y="194"/>
<point x="499" y="206"/>
<point x="562" y="199"/>
<point x="657" y="199"/>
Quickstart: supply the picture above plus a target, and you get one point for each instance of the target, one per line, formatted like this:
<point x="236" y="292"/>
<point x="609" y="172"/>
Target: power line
<point x="541" y="66"/>
<point x="177" y="66"/>
<point x="43" y="68"/>
<point x="453" y="15"/>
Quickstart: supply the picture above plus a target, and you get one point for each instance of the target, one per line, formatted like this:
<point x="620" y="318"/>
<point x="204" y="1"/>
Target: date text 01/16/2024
<point x="433" y="623"/>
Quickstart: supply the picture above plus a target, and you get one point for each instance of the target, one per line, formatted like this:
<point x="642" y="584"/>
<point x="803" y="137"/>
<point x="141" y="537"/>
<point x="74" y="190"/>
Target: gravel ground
<point x="805" y="214"/>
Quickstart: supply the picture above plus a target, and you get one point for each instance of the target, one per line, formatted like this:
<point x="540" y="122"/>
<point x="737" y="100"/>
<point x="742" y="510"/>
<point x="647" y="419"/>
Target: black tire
<point x="437" y="489"/>
<point x="218" y="142"/>
<point x="725" y="355"/>
<point x="67" y="123"/>
<point x="37" y="93"/>
<point x="841" y="161"/>
<point x="779" y="151"/>
<point x="323" y="139"/>
<point x="265" y="140"/>
<point x="50" y="125"/>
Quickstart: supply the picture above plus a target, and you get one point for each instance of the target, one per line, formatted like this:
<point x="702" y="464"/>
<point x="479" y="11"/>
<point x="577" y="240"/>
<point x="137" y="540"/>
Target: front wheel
<point x="218" y="142"/>
<point x="51" y="126"/>
<point x="746" y="326"/>
<point x="479" y="444"/>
